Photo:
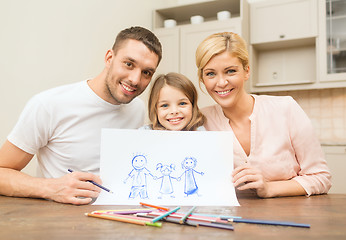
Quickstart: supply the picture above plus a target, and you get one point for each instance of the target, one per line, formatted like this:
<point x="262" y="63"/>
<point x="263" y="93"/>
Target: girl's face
<point x="174" y="109"/>
<point x="224" y="79"/>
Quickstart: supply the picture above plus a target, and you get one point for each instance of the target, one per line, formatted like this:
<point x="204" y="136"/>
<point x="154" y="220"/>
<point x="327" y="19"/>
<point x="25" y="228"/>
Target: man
<point x="63" y="125"/>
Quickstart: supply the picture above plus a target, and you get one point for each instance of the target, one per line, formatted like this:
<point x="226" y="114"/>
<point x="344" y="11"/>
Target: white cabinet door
<point x="336" y="160"/>
<point x="190" y="37"/>
<point x="280" y="67"/>
<point x="169" y="38"/>
<point x="282" y="20"/>
<point x="332" y="43"/>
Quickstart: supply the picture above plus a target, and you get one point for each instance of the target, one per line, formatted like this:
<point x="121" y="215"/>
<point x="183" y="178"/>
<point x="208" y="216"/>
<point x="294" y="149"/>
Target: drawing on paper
<point x="139" y="177"/>
<point x="139" y="173"/>
<point x="166" y="188"/>
<point x="190" y="186"/>
<point x="167" y="156"/>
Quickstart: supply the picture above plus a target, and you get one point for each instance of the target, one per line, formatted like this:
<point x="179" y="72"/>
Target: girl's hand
<point x="249" y="177"/>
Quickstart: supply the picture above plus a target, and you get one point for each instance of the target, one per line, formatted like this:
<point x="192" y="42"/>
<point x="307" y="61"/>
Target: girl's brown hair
<point x="184" y="85"/>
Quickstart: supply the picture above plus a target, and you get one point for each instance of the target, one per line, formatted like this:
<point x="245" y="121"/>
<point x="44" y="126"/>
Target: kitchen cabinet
<point x="333" y="43"/>
<point x="283" y="36"/>
<point x="336" y="160"/>
<point x="170" y="41"/>
<point x="295" y="19"/>
<point x="179" y="43"/>
<point x="297" y="45"/>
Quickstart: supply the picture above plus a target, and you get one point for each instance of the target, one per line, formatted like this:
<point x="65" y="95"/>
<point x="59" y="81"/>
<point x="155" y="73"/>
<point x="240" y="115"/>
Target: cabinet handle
<point x="275" y="75"/>
<point x="282" y="36"/>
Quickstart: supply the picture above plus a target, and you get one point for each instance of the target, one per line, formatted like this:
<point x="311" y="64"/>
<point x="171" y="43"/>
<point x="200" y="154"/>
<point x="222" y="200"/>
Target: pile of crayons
<point x="152" y="215"/>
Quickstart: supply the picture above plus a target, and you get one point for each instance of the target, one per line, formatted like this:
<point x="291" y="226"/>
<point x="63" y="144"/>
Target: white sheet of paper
<point x="167" y="168"/>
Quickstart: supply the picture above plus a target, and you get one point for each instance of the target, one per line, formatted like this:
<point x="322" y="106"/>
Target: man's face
<point x="130" y="70"/>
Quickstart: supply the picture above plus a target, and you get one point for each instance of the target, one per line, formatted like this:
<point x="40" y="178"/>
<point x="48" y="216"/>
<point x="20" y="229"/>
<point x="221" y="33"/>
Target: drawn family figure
<point x="190" y="186"/>
<point x="139" y="175"/>
<point x="166" y="187"/>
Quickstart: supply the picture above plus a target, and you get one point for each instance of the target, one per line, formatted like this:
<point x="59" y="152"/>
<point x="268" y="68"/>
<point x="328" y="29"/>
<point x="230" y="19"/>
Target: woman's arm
<point x="314" y="175"/>
<point x="248" y="177"/>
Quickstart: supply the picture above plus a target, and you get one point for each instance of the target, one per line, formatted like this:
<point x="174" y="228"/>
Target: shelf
<point x="282" y="83"/>
<point x="336" y="17"/>
<point x="278" y="68"/>
<point x="335" y="51"/>
<point x="208" y="10"/>
<point x="301" y="42"/>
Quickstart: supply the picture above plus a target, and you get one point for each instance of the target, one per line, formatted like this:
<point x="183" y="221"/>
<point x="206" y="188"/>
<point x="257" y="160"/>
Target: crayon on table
<point x="217" y="225"/>
<point x="268" y="222"/>
<point x="166" y="219"/>
<point x="125" y="216"/>
<point x="216" y="216"/>
<point x="124" y="219"/>
<point x="165" y="214"/>
<point x="191" y="217"/>
<point x="125" y="211"/>
<point x="183" y="219"/>
<point x="154" y="206"/>
<point x="195" y="223"/>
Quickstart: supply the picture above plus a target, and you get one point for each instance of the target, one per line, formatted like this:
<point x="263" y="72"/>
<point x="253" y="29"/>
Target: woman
<point x="275" y="150"/>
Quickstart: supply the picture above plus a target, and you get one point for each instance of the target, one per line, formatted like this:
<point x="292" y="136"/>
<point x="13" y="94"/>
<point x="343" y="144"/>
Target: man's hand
<point x="73" y="188"/>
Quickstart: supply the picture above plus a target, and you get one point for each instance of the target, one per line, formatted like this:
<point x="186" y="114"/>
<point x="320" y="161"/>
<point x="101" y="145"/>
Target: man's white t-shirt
<point x="63" y="127"/>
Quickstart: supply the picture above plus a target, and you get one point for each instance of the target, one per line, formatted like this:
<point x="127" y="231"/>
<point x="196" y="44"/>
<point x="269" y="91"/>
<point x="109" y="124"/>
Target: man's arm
<point x="71" y="188"/>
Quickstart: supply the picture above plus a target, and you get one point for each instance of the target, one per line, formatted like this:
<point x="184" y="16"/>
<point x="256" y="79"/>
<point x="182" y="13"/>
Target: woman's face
<point x="224" y="79"/>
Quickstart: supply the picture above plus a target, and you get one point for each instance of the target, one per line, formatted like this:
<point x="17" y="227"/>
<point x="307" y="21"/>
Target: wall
<point x="327" y="110"/>
<point x="49" y="43"/>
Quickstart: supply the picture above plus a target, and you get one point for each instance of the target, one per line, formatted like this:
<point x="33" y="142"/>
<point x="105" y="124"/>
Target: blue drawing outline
<point x="190" y="186"/>
<point x="166" y="187"/>
<point x="139" y="174"/>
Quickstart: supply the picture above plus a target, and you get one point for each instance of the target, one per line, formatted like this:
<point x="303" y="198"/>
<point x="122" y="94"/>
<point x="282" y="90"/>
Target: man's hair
<point x="140" y="34"/>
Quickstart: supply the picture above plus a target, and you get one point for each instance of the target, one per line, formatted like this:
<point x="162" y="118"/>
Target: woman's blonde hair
<point x="218" y="43"/>
<point x="184" y="85"/>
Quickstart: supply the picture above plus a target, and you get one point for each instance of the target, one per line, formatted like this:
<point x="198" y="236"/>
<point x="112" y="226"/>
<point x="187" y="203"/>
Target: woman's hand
<point x="248" y="177"/>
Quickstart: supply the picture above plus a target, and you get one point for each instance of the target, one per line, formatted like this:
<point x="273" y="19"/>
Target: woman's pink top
<point x="283" y="143"/>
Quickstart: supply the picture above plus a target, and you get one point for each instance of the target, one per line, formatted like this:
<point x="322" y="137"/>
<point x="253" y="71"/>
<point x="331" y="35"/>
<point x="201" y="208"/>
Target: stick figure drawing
<point x="166" y="182"/>
<point x="190" y="186"/>
<point x="139" y="174"/>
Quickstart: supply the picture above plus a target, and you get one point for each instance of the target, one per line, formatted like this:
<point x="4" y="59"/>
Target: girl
<point x="173" y="104"/>
<point x="275" y="150"/>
